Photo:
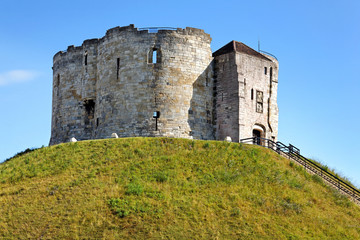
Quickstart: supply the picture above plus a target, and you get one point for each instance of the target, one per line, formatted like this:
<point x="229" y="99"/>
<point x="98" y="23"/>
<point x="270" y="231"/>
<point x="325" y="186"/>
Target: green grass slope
<point x="161" y="188"/>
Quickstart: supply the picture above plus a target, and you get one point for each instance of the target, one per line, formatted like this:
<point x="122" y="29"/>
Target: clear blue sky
<point x="317" y="43"/>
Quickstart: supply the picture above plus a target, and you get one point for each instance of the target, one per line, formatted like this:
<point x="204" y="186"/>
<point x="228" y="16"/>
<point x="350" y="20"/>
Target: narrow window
<point x="207" y="109"/>
<point x="259" y="101"/>
<point x="154" y="55"/>
<point x="58" y="85"/>
<point x="86" y="58"/>
<point x="265" y="70"/>
<point x="207" y="81"/>
<point x="156" y="115"/>
<point x="252" y="94"/>
<point x="117" y="67"/>
<point x="97" y="122"/>
<point x="270" y="74"/>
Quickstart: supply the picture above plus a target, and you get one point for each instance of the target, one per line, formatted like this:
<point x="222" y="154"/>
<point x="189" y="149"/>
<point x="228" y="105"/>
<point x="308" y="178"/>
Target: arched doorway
<point x="258" y="134"/>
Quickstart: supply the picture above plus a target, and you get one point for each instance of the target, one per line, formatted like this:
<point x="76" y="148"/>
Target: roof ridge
<point x="235" y="46"/>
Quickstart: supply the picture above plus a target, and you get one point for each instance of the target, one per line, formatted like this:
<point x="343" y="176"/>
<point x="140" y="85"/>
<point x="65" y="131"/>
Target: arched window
<point x="153" y="56"/>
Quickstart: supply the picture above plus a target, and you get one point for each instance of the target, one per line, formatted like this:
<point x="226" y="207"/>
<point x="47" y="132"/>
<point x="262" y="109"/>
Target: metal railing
<point x="156" y="29"/>
<point x="293" y="153"/>
<point x="261" y="51"/>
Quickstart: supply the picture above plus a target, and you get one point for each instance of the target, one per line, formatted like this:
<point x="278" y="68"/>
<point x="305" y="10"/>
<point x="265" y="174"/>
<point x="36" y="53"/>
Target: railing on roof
<point x="261" y="51"/>
<point x="156" y="29"/>
<point x="293" y="153"/>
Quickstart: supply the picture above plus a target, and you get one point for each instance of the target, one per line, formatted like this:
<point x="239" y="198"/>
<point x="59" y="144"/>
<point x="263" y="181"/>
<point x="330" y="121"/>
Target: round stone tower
<point x="134" y="82"/>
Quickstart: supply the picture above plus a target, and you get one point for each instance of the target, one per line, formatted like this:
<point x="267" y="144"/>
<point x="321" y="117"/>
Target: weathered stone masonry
<point x="116" y="83"/>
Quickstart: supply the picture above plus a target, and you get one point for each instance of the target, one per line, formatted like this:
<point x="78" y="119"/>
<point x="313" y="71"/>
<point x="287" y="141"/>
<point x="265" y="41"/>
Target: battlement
<point x="131" y="28"/>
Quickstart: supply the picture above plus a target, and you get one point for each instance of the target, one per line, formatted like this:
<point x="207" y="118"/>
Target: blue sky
<point x="317" y="43"/>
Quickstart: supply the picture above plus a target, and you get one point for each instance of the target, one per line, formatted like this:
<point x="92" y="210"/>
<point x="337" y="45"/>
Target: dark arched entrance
<point x="257" y="136"/>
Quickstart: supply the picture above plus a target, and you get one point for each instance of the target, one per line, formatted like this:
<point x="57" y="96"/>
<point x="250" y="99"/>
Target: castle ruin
<point x="163" y="82"/>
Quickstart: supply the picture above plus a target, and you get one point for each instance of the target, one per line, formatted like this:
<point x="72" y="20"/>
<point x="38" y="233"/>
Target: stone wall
<point x="227" y="97"/>
<point x="112" y="85"/>
<point x="252" y="78"/>
<point x="246" y="93"/>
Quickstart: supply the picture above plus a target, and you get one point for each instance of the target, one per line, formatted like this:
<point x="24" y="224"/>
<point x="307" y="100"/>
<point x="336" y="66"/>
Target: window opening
<point x="89" y="108"/>
<point x="117" y="67"/>
<point x="265" y="70"/>
<point x="252" y="94"/>
<point x="86" y="58"/>
<point x="156" y="115"/>
<point x="97" y="122"/>
<point x="58" y="84"/>
<point x="259" y="101"/>
<point x="154" y="56"/>
<point x="271" y="74"/>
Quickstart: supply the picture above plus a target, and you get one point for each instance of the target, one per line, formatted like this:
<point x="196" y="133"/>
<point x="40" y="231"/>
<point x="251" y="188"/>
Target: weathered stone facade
<point x="116" y="83"/>
<point x="246" y="87"/>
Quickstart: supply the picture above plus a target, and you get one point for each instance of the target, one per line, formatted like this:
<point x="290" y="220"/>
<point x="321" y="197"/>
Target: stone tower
<point x="116" y="83"/>
<point x="246" y="99"/>
<point x="167" y="82"/>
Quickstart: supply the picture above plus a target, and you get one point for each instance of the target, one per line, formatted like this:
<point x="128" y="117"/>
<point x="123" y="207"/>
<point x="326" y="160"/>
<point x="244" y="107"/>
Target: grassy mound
<point x="161" y="188"/>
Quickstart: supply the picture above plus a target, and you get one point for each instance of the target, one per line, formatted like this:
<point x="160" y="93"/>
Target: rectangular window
<point x="117" y="67"/>
<point x="86" y="58"/>
<point x="58" y="85"/>
<point x="265" y="70"/>
<point x="259" y="101"/>
<point x="259" y="107"/>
